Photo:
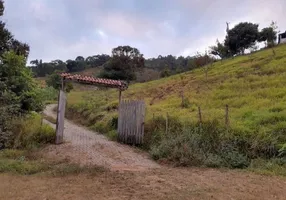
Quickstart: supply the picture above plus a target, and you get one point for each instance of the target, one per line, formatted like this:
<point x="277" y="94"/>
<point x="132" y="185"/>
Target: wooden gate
<point x="60" y="117"/>
<point x="131" y="122"/>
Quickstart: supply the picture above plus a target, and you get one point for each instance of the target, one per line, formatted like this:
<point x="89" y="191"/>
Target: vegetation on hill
<point x="20" y="96"/>
<point x="127" y="63"/>
<point x="251" y="85"/>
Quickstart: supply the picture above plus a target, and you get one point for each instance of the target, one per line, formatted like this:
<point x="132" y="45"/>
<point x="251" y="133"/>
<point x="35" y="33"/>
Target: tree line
<point x="42" y="69"/>
<point x="125" y="61"/>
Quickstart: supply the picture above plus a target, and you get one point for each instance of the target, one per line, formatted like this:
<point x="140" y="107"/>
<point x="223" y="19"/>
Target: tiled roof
<point x="95" y="81"/>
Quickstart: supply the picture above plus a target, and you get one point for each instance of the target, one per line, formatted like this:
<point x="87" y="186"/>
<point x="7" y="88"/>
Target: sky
<point x="65" y="29"/>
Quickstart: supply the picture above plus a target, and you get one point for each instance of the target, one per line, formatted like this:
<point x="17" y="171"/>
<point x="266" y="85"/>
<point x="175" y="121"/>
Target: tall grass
<point x="48" y="94"/>
<point x="31" y="133"/>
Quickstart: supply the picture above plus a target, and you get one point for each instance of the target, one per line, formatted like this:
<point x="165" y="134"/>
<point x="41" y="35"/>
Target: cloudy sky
<point x="64" y="29"/>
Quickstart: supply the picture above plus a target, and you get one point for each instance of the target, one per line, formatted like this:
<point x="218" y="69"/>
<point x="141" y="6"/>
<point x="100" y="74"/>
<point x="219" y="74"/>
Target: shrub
<point x="100" y="127"/>
<point x="49" y="94"/>
<point x="112" y="135"/>
<point x="32" y="133"/>
<point x="200" y="144"/>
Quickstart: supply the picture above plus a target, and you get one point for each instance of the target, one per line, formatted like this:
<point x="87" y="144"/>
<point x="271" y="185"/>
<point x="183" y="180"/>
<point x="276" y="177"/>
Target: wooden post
<point x="62" y="85"/>
<point x="120" y="95"/>
<point x="226" y="116"/>
<point x="200" y="115"/>
<point x="182" y="96"/>
<point x="167" y="116"/>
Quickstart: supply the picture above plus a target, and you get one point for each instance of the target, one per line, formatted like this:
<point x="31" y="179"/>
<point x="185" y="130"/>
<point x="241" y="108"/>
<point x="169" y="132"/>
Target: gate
<point x="131" y="122"/>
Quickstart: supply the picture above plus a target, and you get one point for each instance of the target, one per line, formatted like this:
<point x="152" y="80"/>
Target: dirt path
<point x="163" y="183"/>
<point x="88" y="148"/>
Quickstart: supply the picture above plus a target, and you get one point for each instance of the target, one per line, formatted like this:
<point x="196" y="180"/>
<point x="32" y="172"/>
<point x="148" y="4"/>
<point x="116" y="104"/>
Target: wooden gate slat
<point x="131" y="116"/>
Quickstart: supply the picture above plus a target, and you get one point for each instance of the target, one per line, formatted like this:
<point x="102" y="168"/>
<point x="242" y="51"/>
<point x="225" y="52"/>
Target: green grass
<point x="275" y="167"/>
<point x="32" y="133"/>
<point x="50" y="118"/>
<point x="20" y="162"/>
<point x="253" y="91"/>
<point x="252" y="85"/>
<point x="24" y="162"/>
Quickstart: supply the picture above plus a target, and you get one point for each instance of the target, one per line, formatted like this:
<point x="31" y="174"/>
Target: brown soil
<point x="163" y="183"/>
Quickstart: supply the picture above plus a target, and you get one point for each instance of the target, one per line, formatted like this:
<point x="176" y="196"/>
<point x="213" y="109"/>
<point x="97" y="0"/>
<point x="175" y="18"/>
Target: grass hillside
<point x="252" y="85"/>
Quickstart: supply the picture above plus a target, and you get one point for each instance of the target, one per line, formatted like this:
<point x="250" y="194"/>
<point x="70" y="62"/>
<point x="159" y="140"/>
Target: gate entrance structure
<point x="132" y="125"/>
<point x="131" y="122"/>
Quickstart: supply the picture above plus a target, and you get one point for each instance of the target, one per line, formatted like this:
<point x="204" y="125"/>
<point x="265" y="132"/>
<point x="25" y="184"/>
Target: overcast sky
<point x="64" y="29"/>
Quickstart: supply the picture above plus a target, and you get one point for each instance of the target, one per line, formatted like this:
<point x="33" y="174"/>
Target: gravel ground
<point x="86" y="147"/>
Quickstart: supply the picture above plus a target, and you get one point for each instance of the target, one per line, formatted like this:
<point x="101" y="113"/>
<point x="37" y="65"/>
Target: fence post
<point x="120" y="95"/>
<point x="167" y="116"/>
<point x="226" y="116"/>
<point x="62" y="84"/>
<point x="200" y="115"/>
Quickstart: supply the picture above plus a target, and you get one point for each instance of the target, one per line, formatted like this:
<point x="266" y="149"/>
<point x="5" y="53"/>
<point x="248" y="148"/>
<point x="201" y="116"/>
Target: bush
<point x="49" y="94"/>
<point x="199" y="144"/>
<point x="112" y="135"/>
<point x="54" y="80"/>
<point x="32" y="133"/>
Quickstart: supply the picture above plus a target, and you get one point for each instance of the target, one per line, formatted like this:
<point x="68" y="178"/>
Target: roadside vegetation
<point x="251" y="85"/>
<point x="21" y="100"/>
<point x="26" y="162"/>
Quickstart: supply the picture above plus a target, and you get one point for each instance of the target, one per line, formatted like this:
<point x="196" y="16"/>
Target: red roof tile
<point x="95" y="81"/>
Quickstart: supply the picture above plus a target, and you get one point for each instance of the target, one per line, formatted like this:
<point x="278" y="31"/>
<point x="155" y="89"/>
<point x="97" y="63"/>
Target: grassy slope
<point x="252" y="85"/>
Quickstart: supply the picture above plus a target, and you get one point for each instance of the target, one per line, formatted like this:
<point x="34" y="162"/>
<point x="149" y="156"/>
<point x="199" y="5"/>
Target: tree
<point x="1" y="7"/>
<point x="125" y="60"/>
<point x="79" y="59"/>
<point x="268" y="35"/>
<point x="54" y="80"/>
<point x="8" y="42"/>
<point x="241" y="37"/>
<point x="34" y="62"/>
<point x="16" y="79"/>
<point x="19" y="94"/>
<point x="219" y="50"/>
<point x="165" y="73"/>
<point x="71" y="65"/>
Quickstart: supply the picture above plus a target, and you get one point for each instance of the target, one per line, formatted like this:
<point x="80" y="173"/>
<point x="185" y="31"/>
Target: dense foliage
<point x="244" y="36"/>
<point x="19" y="94"/>
<point x="124" y="62"/>
<point x="54" y="80"/>
<point x="42" y="69"/>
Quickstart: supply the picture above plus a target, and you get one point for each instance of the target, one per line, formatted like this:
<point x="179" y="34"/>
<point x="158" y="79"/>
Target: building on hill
<point x="282" y="38"/>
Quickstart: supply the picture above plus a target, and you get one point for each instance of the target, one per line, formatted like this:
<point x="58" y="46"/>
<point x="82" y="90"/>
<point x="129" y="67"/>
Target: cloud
<point x="64" y="29"/>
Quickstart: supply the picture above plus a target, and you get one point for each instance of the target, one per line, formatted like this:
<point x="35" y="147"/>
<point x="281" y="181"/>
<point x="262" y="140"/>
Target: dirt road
<point x="163" y="183"/>
<point x="136" y="177"/>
